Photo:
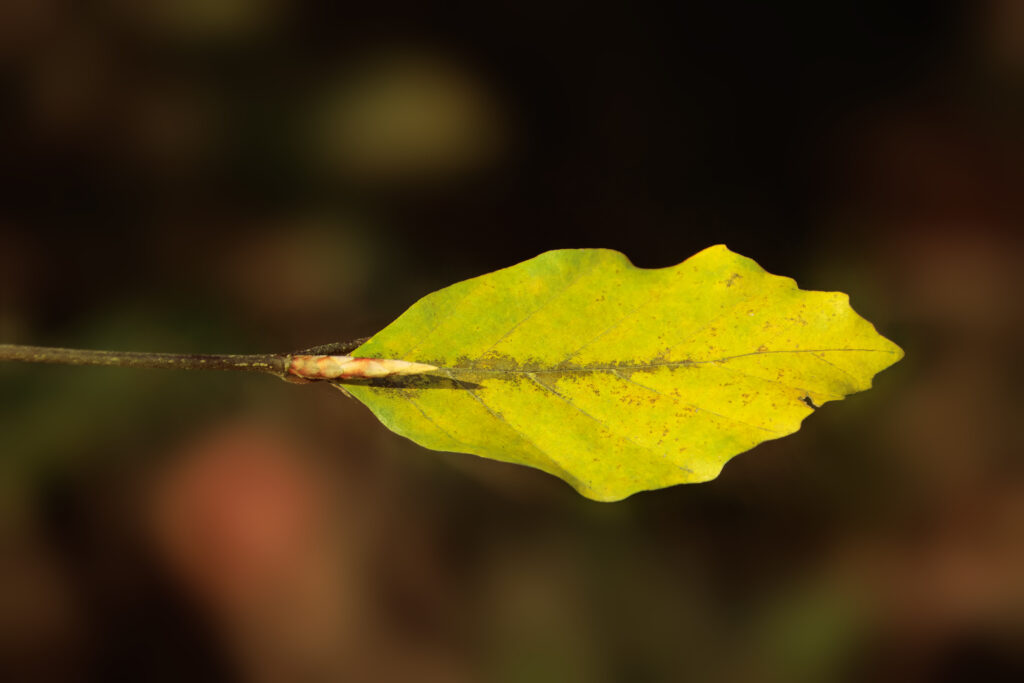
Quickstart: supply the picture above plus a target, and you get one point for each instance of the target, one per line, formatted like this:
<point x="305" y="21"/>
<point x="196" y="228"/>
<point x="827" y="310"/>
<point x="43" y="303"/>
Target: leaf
<point x="620" y="379"/>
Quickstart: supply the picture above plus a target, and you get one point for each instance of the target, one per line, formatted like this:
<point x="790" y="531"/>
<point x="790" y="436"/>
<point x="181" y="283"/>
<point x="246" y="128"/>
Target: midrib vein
<point x="474" y="368"/>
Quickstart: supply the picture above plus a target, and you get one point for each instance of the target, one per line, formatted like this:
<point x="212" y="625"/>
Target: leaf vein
<point x="441" y="321"/>
<point x="661" y="295"/>
<point x="432" y="421"/>
<point x="724" y="314"/>
<point x="565" y="288"/>
<point x="564" y="473"/>
<point x="842" y="370"/>
<point x="592" y="417"/>
<point x="470" y="367"/>
<point x="763" y="379"/>
<point x="693" y="405"/>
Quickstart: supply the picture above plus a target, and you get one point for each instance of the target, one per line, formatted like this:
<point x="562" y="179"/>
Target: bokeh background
<point x="265" y="175"/>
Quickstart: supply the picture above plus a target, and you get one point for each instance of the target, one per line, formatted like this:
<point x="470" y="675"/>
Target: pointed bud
<point x="348" y="367"/>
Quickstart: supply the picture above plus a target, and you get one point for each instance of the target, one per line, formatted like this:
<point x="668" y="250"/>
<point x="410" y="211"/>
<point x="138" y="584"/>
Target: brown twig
<point x="274" y="363"/>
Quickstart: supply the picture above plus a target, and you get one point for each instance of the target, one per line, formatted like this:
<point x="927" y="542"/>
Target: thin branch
<point x="319" y="363"/>
<point x="273" y="363"/>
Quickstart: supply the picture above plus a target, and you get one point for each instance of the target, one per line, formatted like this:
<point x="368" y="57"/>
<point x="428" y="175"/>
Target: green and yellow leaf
<point x="620" y="379"/>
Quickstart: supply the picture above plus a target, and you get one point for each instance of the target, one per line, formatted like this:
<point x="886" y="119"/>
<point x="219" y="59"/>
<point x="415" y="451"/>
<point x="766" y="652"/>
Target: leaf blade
<point x="619" y="379"/>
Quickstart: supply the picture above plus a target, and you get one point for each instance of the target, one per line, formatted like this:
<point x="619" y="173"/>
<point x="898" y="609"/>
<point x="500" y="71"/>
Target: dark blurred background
<point x="264" y="175"/>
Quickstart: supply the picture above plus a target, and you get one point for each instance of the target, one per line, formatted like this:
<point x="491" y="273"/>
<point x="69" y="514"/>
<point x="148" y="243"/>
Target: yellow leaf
<point x="620" y="379"/>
